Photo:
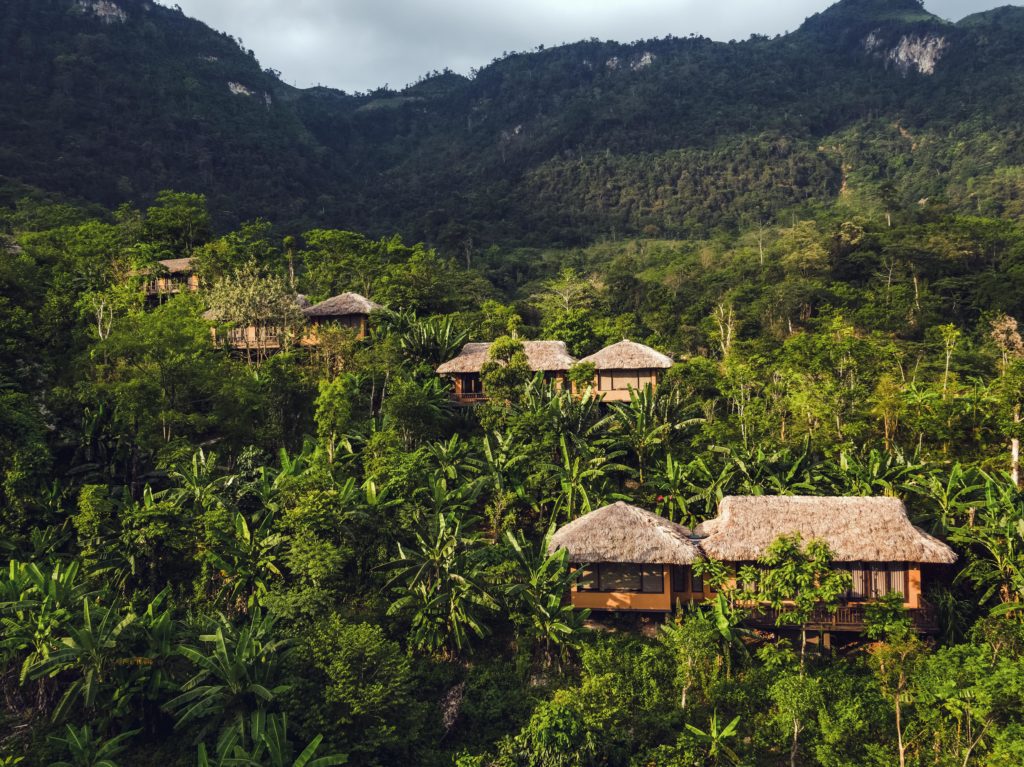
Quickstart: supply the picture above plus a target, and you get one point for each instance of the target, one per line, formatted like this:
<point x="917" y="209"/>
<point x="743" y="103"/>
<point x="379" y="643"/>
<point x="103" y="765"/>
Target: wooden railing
<point x="847" y="617"/>
<point x="469" y="396"/>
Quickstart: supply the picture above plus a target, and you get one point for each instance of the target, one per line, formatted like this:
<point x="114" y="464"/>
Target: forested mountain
<point x="118" y="99"/>
<point x="305" y="554"/>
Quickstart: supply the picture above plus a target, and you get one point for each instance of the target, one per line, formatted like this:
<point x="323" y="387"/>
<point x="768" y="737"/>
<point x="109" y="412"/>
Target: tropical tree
<point x="582" y="480"/>
<point x="236" y="676"/>
<point x="715" y="738"/>
<point x="537" y="594"/>
<point x="246" y="560"/>
<point x="84" y="749"/>
<point x="795" y="580"/>
<point x="439" y="584"/>
<point x="271" y="747"/>
<point x="91" y="653"/>
<point x="994" y="539"/>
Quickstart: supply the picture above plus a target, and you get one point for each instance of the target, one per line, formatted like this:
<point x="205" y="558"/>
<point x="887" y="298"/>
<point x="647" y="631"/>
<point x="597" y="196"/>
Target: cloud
<point x="363" y="44"/>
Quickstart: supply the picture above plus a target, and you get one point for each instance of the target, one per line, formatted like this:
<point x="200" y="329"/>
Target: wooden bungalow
<point x="626" y="367"/>
<point x="175" y="275"/>
<point x="349" y="310"/>
<point x="260" y="339"/>
<point x="549" y="357"/>
<point x="632" y="560"/>
<point x="871" y="537"/>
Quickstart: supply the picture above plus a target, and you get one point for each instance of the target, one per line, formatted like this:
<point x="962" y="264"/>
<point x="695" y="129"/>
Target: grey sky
<point x="362" y="44"/>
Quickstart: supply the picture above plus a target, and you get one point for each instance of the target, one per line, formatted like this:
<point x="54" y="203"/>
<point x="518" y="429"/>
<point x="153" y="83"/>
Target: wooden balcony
<point x="848" y="617"/>
<point x="168" y="286"/>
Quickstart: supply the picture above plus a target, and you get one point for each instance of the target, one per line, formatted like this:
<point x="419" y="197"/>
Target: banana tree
<point x="715" y="738"/>
<point x="84" y="749"/>
<point x="994" y="540"/>
<point x="36" y="605"/>
<point x="91" y="652"/>
<point x="236" y="674"/>
<point x="582" y="479"/>
<point x="272" y="748"/>
<point x="438" y="583"/>
<point x="639" y="427"/>
<point x="537" y="595"/>
<point x="247" y="561"/>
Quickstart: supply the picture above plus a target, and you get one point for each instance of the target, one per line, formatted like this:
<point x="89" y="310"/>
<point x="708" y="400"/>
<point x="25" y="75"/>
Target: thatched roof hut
<point x="176" y="265"/>
<point x="856" y="529"/>
<point x="624" y="533"/>
<point x="628" y="355"/>
<point x="341" y="305"/>
<point x="546" y="356"/>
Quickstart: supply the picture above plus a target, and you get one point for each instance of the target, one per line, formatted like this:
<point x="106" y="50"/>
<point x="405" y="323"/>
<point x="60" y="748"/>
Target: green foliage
<point x="356" y="685"/>
<point x="440" y="586"/>
<point x="536" y="596"/>
<point x="236" y="677"/>
<point x="86" y="750"/>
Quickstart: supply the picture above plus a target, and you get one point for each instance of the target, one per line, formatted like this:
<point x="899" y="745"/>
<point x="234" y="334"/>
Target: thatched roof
<point x="548" y="356"/>
<point x="624" y="533"/>
<point x="628" y="355"/>
<point x="302" y="302"/>
<point x="857" y="529"/>
<point x="176" y="265"/>
<point x="341" y="306"/>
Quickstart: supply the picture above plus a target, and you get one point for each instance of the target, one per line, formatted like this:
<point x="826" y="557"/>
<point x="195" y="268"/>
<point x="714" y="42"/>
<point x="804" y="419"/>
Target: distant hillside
<point x="113" y="100"/>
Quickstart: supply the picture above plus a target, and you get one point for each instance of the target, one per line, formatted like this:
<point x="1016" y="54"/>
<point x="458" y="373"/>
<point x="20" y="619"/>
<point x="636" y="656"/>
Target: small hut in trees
<point x="551" y="358"/>
<point x="173" y="275"/>
<point x="632" y="559"/>
<point x="871" y="537"/>
<point x="349" y="310"/>
<point x="625" y="367"/>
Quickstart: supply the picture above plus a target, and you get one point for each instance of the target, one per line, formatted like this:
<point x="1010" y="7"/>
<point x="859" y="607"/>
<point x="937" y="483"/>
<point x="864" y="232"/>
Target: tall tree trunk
<point x="1015" y="450"/>
<point x="796" y="741"/>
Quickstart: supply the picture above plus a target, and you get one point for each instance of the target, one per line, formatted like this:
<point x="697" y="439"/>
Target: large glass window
<point x="622" y="576"/>
<point x="616" y="576"/>
<point x="653" y="579"/>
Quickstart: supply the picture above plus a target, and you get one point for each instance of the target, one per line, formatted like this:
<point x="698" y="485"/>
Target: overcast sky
<point x="358" y="45"/>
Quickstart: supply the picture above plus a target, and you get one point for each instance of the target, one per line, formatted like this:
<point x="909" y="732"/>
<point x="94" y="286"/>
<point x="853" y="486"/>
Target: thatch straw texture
<point x="628" y="355"/>
<point x="341" y="306"/>
<point x="624" y="533"/>
<point x="547" y="356"/>
<point x="856" y="529"/>
<point x="176" y="265"/>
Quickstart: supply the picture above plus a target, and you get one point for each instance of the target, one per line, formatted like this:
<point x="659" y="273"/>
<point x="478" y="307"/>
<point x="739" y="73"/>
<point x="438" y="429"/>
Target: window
<point x="685" y="580"/>
<point x="621" y="576"/>
<point x="679" y="578"/>
<point x="871" y="580"/>
<point x="696" y="583"/>
<point x="588" y="580"/>
<point x="471" y="384"/>
<point x="653" y="579"/>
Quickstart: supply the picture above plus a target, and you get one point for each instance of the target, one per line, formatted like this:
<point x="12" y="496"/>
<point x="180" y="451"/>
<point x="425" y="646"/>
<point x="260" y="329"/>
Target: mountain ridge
<point x="663" y="137"/>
